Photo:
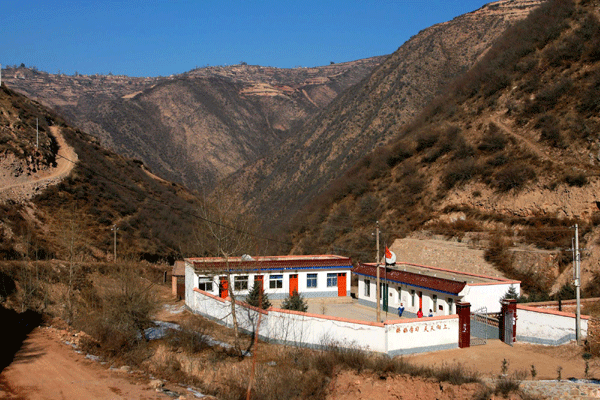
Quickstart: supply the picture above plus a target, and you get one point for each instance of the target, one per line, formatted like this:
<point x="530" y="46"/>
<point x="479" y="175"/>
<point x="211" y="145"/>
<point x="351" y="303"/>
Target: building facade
<point x="433" y="290"/>
<point x="311" y="276"/>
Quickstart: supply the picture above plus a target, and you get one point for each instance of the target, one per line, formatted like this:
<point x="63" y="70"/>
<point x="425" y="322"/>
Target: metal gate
<point x="479" y="326"/>
<point x="509" y="320"/>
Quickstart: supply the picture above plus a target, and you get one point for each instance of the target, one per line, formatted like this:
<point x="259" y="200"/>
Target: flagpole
<point x="387" y="292"/>
<point x="378" y="289"/>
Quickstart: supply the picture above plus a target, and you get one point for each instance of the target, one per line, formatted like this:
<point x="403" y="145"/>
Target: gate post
<point x="464" y="324"/>
<point x="509" y="306"/>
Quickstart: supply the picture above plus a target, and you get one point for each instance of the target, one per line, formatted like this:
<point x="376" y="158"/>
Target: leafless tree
<point x="226" y="232"/>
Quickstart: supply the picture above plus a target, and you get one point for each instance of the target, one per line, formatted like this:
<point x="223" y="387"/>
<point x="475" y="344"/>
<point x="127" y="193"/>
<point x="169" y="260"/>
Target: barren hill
<point x="506" y="159"/>
<point x="374" y="111"/>
<point x="61" y="193"/>
<point x="197" y="127"/>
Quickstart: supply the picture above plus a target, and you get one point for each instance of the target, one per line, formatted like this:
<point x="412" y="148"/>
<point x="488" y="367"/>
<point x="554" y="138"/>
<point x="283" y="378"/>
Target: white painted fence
<point x="542" y="326"/>
<point x="291" y="327"/>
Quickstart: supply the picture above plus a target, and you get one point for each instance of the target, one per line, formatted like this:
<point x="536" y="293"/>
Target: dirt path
<point x="48" y="369"/>
<point x="25" y="186"/>
<point x="531" y="146"/>
<point x="487" y="359"/>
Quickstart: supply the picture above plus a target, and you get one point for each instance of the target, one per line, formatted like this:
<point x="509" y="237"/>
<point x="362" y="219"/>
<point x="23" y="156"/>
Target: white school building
<point x="429" y="288"/>
<point x="311" y="276"/>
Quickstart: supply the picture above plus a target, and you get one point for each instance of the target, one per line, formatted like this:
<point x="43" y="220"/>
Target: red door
<point x="421" y="301"/>
<point x="293" y="283"/>
<point x="258" y="280"/>
<point x="341" y="281"/>
<point x="223" y="287"/>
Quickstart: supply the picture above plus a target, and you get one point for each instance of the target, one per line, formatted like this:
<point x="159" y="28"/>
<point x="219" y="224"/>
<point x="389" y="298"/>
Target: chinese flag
<point x="388" y="253"/>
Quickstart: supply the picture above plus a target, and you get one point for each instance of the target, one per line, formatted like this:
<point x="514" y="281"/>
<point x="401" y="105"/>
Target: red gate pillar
<point x="464" y="324"/>
<point x="508" y="306"/>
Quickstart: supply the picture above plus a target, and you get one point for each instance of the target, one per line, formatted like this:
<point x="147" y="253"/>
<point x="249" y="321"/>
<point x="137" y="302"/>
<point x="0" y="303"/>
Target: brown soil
<point x="45" y="368"/>
<point x="487" y="359"/>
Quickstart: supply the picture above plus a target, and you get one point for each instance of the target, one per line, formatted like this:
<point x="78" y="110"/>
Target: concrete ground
<point x="345" y="307"/>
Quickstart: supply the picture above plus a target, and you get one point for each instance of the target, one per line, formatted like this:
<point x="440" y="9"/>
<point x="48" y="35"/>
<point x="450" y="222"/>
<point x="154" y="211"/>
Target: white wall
<point x="488" y="295"/>
<point x="549" y="327"/>
<point x="423" y="334"/>
<point x="401" y="337"/>
<point x="321" y="290"/>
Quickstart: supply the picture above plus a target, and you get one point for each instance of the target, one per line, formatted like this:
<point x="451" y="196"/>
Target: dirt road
<point x="25" y="186"/>
<point x="45" y="368"/>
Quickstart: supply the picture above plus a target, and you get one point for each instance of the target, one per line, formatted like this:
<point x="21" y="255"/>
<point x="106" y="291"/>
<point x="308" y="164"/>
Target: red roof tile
<point x="274" y="263"/>
<point x="410" y="278"/>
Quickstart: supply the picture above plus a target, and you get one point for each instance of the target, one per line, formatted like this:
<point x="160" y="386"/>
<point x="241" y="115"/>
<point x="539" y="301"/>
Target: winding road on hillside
<point x="530" y="145"/>
<point x="24" y="187"/>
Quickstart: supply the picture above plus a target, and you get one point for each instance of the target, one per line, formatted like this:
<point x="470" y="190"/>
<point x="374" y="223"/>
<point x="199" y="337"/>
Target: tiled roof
<point x="179" y="268"/>
<point x="270" y="263"/>
<point x="410" y="278"/>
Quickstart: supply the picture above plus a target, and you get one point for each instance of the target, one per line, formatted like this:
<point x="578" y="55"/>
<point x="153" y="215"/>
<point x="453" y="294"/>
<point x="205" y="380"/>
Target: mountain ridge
<point x="372" y="112"/>
<point x="197" y="127"/>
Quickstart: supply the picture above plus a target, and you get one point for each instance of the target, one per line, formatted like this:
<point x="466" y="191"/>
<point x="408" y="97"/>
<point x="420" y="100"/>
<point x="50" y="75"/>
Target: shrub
<point x="191" y="338"/>
<point x="256" y="294"/>
<point x="497" y="253"/>
<point x="498" y="160"/>
<point x="590" y="100"/>
<point x="460" y="171"/>
<point x="514" y="176"/>
<point x="398" y="153"/>
<point x="126" y="310"/>
<point x="578" y="180"/>
<point x="426" y="140"/>
<point x="295" y="302"/>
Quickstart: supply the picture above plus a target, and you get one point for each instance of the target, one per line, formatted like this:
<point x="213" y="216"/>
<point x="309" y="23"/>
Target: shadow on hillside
<point x="15" y="329"/>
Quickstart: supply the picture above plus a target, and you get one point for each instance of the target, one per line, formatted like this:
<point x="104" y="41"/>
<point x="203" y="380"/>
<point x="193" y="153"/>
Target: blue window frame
<point x="332" y="280"/>
<point x="311" y="280"/>
<point x="275" y="281"/>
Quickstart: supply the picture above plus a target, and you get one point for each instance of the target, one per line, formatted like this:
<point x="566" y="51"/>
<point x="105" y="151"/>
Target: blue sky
<point x="163" y="37"/>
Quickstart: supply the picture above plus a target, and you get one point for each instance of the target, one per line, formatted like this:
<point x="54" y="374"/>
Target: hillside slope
<point x="62" y="198"/>
<point x="197" y="127"/>
<point x="506" y="160"/>
<point x="374" y="111"/>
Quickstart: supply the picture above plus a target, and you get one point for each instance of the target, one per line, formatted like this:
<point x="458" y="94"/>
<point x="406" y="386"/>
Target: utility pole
<point x="577" y="287"/>
<point x="37" y="134"/>
<point x="378" y="291"/>
<point x="115" y="229"/>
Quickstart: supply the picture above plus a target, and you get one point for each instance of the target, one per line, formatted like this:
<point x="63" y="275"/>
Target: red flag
<point x="388" y="253"/>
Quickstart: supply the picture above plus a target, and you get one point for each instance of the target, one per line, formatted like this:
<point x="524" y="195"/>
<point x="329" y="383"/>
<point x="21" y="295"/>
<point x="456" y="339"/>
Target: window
<point x="331" y="280"/>
<point x="311" y="280"/>
<point x="275" y="281"/>
<point x="241" y="283"/>
<point x="205" y="284"/>
<point x="367" y="288"/>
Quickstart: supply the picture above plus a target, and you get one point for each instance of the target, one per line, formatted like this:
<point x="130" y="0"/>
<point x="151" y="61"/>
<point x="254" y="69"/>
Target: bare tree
<point x="70" y="231"/>
<point x="226" y="232"/>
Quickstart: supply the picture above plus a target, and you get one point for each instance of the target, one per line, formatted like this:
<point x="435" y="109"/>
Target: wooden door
<point x="293" y="283"/>
<point x="421" y="301"/>
<point x="223" y="287"/>
<point x="341" y="282"/>
<point x="258" y="280"/>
